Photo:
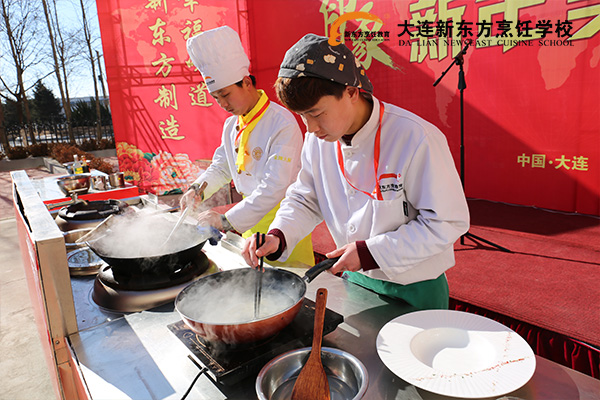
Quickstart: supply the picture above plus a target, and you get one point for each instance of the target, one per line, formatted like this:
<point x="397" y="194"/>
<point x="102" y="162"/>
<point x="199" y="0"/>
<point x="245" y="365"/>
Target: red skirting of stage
<point x="547" y="289"/>
<point x="546" y="343"/>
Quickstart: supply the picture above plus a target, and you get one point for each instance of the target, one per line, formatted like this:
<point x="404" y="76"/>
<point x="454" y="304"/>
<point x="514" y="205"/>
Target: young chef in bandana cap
<point x="382" y="178"/>
<point x="260" y="145"/>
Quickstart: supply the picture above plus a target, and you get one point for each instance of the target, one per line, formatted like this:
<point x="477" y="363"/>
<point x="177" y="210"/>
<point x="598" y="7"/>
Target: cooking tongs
<point x="260" y="240"/>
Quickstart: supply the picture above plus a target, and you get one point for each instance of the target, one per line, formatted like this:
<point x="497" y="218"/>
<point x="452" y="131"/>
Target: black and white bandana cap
<point x="313" y="56"/>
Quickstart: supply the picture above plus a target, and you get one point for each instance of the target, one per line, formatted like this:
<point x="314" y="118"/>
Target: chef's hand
<point x="251" y="254"/>
<point x="187" y="200"/>
<point x="349" y="260"/>
<point x="193" y="197"/>
<point x="211" y="218"/>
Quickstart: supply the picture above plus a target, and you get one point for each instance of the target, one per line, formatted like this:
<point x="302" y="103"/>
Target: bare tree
<point x="20" y="24"/>
<point x="88" y="39"/>
<point x="53" y="25"/>
<point x="100" y="76"/>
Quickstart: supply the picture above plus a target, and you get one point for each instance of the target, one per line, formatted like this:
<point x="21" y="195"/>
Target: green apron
<point x="424" y="295"/>
<point x="303" y="252"/>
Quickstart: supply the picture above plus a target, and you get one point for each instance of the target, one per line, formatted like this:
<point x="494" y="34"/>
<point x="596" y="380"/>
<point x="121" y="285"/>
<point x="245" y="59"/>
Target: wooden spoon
<point x="312" y="382"/>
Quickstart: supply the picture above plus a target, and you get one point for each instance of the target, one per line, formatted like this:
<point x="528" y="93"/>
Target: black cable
<point x="202" y="371"/>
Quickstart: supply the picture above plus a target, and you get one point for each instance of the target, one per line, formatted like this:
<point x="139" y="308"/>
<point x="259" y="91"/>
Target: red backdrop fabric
<point x="531" y="110"/>
<point x="164" y="118"/>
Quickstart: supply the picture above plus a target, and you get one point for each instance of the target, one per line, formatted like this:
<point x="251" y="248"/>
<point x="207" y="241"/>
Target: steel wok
<point x="275" y="282"/>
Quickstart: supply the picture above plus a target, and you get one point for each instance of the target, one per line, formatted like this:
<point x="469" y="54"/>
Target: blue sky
<point x="80" y="83"/>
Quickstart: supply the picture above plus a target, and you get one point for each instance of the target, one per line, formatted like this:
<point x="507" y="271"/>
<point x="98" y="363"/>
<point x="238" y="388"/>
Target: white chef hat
<point x="220" y="57"/>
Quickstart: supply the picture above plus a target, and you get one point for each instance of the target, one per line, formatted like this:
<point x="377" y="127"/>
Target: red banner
<point x="530" y="107"/>
<point x="164" y="118"/>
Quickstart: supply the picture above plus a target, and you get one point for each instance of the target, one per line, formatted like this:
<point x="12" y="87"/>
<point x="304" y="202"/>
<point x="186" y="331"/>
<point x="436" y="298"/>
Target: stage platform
<point x="547" y="288"/>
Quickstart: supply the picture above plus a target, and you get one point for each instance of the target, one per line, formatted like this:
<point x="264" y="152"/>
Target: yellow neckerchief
<point x="246" y="124"/>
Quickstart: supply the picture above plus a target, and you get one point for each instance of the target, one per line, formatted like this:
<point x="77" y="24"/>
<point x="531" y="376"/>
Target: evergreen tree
<point x="46" y="107"/>
<point x="84" y="114"/>
<point x="11" y="115"/>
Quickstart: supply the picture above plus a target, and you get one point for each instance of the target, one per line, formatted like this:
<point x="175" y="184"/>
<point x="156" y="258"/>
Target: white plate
<point x="455" y="353"/>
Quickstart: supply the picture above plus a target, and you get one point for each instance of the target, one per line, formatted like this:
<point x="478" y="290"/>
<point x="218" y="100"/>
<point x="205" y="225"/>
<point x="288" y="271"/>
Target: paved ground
<point x="24" y="372"/>
<point x="23" y="368"/>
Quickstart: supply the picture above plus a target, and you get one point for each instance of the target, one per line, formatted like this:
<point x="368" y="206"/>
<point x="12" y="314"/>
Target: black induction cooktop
<point x="229" y="364"/>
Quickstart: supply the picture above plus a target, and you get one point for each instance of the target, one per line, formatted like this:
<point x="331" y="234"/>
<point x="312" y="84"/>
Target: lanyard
<point x="258" y="115"/>
<point x="375" y="159"/>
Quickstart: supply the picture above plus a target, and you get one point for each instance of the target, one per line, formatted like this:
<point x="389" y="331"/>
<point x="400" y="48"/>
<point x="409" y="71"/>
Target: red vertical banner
<point x="165" y="121"/>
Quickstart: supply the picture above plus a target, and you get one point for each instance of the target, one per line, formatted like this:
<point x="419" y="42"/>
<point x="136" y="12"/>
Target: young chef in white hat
<point x="260" y="145"/>
<point x="382" y="178"/>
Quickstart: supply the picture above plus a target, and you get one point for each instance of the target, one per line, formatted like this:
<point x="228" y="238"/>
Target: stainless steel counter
<point x="136" y="356"/>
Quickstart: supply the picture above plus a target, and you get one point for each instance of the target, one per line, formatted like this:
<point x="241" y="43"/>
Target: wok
<point x="163" y="264"/>
<point x="220" y="307"/>
<point x="160" y="262"/>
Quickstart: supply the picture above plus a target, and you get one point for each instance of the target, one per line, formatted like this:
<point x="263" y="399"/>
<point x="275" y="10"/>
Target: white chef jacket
<point x="275" y="144"/>
<point x="411" y="233"/>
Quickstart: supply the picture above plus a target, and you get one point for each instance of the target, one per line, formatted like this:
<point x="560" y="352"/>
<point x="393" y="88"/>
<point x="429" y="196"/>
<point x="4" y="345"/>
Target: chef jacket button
<point x="351" y="192"/>
<point x="351" y="228"/>
<point x="348" y="153"/>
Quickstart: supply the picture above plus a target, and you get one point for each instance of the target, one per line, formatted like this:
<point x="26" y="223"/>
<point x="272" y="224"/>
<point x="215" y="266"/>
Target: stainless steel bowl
<point x="79" y="183"/>
<point x="347" y="376"/>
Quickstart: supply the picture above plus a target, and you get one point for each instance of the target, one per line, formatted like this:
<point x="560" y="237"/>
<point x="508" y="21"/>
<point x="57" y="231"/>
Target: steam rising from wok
<point x="220" y="307"/>
<point x="143" y="234"/>
<point x="233" y="303"/>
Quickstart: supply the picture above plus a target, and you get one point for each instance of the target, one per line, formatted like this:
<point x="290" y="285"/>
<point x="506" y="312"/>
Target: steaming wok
<point x="129" y="260"/>
<point x="208" y="307"/>
<point x="166" y="263"/>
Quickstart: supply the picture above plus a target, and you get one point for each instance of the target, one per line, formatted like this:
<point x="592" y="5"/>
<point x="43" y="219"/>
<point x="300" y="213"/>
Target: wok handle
<point x="87" y="236"/>
<point x="320" y="267"/>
